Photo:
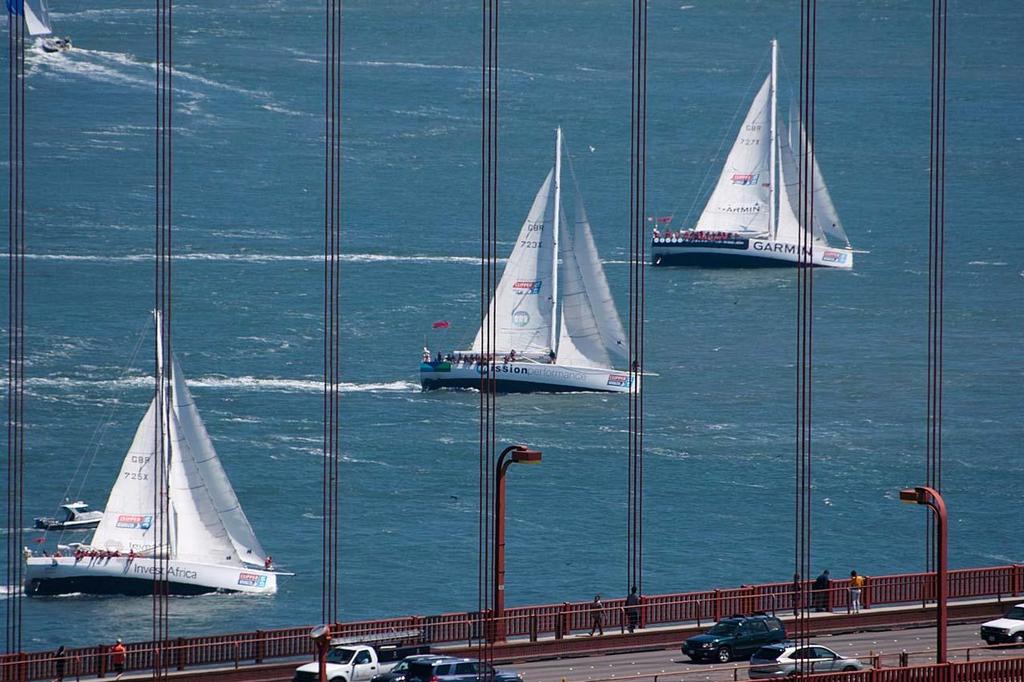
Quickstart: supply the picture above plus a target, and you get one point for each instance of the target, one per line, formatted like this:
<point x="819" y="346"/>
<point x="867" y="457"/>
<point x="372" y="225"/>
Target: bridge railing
<point x="531" y="622"/>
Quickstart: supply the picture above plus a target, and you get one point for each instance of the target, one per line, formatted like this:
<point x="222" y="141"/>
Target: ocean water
<point x="719" y="462"/>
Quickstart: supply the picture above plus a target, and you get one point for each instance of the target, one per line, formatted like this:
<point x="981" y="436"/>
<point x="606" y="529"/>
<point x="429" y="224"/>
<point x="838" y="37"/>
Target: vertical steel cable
<point x="15" y="472"/>
<point x="488" y="285"/>
<point x="936" y="260"/>
<point x="163" y="447"/>
<point x="637" y="269"/>
<point x="805" y="313"/>
<point x="332" y="312"/>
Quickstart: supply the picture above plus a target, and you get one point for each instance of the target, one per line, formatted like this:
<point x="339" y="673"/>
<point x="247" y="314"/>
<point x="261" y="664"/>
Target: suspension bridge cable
<point x="15" y="470"/>
<point x="331" y="536"/>
<point x="637" y="269"/>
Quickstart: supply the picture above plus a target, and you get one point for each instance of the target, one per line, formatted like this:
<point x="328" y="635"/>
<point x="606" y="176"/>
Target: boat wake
<point x="122" y="68"/>
<point x="226" y="383"/>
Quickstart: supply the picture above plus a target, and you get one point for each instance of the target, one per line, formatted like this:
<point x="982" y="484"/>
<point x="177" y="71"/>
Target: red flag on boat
<point x="664" y="219"/>
<point x="441" y="324"/>
<point x="39" y="540"/>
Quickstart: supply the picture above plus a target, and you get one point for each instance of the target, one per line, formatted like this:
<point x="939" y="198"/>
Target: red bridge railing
<point x="531" y="622"/>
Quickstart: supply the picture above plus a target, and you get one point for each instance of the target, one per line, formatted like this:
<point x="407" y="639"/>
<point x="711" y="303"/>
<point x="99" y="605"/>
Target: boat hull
<point x="523" y="377"/>
<point x="121" y="575"/>
<point x="742" y="252"/>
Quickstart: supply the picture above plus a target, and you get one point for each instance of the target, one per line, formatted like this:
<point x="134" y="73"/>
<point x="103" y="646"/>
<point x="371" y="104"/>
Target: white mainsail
<point x="591" y="333"/>
<point x="37" y="17"/>
<point x="522" y="303"/>
<point x="128" y="522"/>
<point x="740" y="200"/>
<point x="206" y="523"/>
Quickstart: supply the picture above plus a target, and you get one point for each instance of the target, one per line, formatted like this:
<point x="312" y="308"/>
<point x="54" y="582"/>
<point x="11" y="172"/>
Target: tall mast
<point x="554" y="237"/>
<point x="773" y="222"/>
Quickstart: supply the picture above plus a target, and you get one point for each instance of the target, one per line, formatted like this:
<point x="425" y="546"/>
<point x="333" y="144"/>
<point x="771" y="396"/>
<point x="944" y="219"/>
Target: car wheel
<point x="1018" y="638"/>
<point x="724" y="654"/>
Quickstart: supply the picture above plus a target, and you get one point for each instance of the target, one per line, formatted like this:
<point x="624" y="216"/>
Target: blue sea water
<point x="720" y="416"/>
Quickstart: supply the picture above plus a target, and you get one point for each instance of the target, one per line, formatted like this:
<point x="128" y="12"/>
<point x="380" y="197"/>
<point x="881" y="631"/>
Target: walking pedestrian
<point x="117" y="656"/>
<point x="821" y="591"/>
<point x="797" y="594"/>
<point x="856" y="587"/>
<point x="59" y="663"/>
<point x="633" y="608"/>
<point x="596" y="616"/>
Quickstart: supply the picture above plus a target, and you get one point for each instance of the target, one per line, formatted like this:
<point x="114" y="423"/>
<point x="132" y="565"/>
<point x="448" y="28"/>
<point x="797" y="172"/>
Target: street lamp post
<point x="931" y="498"/>
<point x="321" y="635"/>
<point x="520" y="455"/>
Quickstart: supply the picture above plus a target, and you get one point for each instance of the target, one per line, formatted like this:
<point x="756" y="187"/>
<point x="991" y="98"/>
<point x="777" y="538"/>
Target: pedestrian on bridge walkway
<point x="633" y="608"/>
<point x="596" y="615"/>
<point x="856" y="586"/>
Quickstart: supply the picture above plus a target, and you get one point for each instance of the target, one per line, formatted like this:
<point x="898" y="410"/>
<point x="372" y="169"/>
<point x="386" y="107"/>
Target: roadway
<point x="673" y="666"/>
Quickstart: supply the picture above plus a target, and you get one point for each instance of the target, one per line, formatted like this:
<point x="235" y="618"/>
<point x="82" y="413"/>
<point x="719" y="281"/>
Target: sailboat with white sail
<point x="37" y="21"/>
<point x="751" y="218"/>
<point x="556" y="324"/>
<point x="208" y="546"/>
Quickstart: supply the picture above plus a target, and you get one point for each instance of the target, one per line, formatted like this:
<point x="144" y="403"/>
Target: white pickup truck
<point x="357" y="662"/>
<point x="1006" y="630"/>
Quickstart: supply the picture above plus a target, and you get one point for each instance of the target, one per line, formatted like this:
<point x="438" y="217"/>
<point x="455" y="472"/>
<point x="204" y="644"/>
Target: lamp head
<point x="526" y="456"/>
<point x="912" y="496"/>
<point x="320" y="632"/>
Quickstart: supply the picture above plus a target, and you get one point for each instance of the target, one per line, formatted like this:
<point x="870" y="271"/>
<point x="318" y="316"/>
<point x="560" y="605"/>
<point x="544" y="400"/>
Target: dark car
<point x="450" y="669"/>
<point x="735" y="637"/>
<point x="400" y="671"/>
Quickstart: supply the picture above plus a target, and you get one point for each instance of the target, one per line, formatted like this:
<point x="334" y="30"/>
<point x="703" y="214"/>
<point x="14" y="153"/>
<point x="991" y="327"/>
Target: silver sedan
<point x="783" y="660"/>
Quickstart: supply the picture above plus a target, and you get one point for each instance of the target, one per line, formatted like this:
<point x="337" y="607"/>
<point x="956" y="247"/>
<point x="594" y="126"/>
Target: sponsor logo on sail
<point x="526" y="286"/>
<point x="744" y="178"/>
<point x="834" y="257"/>
<point x="134" y="521"/>
<point x="621" y="380"/>
<point x="520" y="318"/>
<point x="252" y="580"/>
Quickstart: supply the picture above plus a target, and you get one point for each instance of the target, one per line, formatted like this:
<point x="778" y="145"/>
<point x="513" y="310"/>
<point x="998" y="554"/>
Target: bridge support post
<point x="931" y="498"/>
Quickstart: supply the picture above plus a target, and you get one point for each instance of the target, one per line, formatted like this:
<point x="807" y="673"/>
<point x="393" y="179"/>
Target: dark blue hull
<point x="99" y="584"/>
<point x="719" y="260"/>
<point x="501" y="386"/>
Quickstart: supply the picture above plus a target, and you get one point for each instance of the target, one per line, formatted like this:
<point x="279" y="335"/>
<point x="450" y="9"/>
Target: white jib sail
<point x="37" y="18"/>
<point x="200" y="535"/>
<point x="739" y="202"/>
<point x="522" y="301"/>
<point x="128" y="519"/>
<point x="591" y="333"/>
<point x="826" y="227"/>
<point x="225" y="502"/>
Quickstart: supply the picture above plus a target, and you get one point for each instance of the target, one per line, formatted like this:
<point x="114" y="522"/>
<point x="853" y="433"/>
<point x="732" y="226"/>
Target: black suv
<point x="735" y="637"/>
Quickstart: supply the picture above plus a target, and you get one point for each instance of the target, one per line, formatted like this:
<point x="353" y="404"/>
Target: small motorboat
<point x="77" y="516"/>
<point x="56" y="44"/>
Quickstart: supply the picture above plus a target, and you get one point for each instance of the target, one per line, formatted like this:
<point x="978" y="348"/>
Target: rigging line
<point x="702" y="188"/>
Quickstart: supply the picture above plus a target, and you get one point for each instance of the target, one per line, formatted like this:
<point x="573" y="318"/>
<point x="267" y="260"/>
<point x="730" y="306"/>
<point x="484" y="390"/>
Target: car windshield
<point x="340" y="656"/>
<point x="724" y="628"/>
<point x="401" y="667"/>
<point x="1016" y="613"/>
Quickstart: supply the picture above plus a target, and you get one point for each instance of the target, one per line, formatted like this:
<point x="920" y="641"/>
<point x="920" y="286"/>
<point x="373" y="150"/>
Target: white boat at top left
<point x="37" y="21"/>
<point x="205" y="543"/>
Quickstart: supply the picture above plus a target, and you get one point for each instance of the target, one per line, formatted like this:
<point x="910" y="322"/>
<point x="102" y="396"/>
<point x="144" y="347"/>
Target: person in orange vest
<point x="117" y="655"/>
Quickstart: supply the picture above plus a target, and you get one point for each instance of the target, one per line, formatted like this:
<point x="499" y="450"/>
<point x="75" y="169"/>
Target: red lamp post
<point x="321" y="635"/>
<point x="931" y="498"/>
<point x="520" y="455"/>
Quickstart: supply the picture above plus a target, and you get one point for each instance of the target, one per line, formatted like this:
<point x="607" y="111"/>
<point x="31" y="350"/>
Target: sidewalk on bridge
<point x="613" y="641"/>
